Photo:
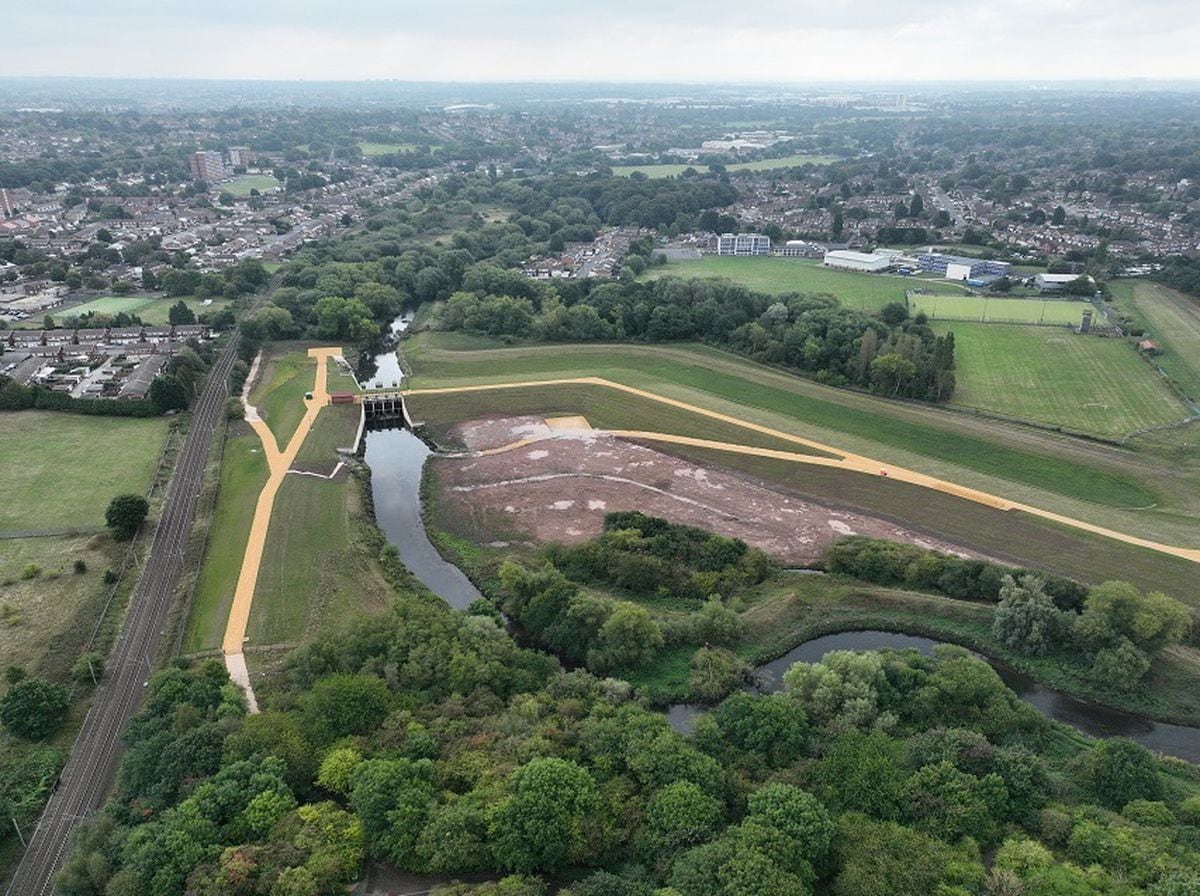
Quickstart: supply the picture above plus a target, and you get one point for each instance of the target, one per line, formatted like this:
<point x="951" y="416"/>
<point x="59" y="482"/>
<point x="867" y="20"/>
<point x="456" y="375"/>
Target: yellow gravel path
<point x="841" y="459"/>
<point x="278" y="463"/>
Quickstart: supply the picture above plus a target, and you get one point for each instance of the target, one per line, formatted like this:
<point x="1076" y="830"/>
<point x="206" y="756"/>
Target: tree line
<point x="888" y="352"/>
<point x="1113" y="629"/>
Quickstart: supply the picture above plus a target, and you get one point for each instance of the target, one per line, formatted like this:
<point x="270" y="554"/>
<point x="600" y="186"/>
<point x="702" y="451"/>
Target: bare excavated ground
<point x="559" y="487"/>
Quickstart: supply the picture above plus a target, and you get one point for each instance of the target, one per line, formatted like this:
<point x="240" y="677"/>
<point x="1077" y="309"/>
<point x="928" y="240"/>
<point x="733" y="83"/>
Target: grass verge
<point x="243" y="474"/>
<point x="286" y="374"/>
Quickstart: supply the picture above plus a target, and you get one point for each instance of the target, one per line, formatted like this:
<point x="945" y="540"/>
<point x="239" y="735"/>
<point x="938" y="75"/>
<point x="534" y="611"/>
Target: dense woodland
<point x="431" y="741"/>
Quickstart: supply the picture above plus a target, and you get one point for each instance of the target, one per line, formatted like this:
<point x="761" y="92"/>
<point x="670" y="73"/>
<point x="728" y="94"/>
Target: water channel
<point x="1090" y="718"/>
<point x="396" y="458"/>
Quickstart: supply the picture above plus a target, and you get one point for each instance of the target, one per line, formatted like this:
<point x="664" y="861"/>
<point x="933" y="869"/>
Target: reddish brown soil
<point x="560" y="488"/>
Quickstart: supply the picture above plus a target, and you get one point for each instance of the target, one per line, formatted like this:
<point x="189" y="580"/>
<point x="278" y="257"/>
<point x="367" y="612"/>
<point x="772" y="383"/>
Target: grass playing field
<point x="285" y="375"/>
<point x="110" y="305"/>
<point x="156" y="312"/>
<point x="1053" y="376"/>
<point x="241" y="186"/>
<point x="993" y="310"/>
<point x="1173" y="321"/>
<point x="761" y="165"/>
<point x="776" y="276"/>
<point x="152" y="310"/>
<point x="384" y="149"/>
<point x="60" y="470"/>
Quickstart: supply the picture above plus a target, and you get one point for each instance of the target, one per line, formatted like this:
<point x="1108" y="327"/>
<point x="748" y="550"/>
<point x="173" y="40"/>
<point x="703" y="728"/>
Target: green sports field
<point x="151" y="309"/>
<point x="110" y="305"/>
<point x="995" y="310"/>
<point x="1172" y="320"/>
<point x="761" y="165"/>
<point x="61" y="470"/>
<point x="241" y="186"/>
<point x="1081" y="383"/>
<point x="384" y="149"/>
<point x="776" y="276"/>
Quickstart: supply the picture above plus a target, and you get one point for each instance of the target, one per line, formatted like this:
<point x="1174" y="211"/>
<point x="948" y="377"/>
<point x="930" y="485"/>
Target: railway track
<point x="88" y="776"/>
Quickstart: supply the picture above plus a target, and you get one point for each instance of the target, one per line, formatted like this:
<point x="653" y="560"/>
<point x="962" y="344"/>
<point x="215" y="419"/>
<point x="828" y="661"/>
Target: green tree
<point x="798" y="814"/>
<point x="629" y="638"/>
<point x="344" y="705"/>
<point x="339" y="318"/>
<point x="714" y="672"/>
<point x="540" y="826"/>
<point x="774" y="726"/>
<point x="180" y="313"/>
<point x="886" y="859"/>
<point x="1026" y="619"/>
<point x="951" y="804"/>
<point x="1120" y="770"/>
<point x="1059" y="217"/>
<point x="864" y="773"/>
<point x="34" y="708"/>
<point x="678" y="816"/>
<point x="337" y="769"/>
<point x="891" y="372"/>
<point x="125" y="514"/>
<point x="1120" y="667"/>
<point x="1117" y="610"/>
<point x="168" y="393"/>
<point x="392" y="798"/>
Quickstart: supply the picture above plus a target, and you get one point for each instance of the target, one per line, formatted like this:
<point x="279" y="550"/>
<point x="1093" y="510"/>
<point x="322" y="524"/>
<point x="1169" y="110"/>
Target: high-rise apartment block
<point x="207" y="165"/>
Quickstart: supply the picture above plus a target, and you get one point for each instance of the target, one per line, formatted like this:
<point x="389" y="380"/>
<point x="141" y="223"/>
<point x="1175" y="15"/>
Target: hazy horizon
<point x="621" y="42"/>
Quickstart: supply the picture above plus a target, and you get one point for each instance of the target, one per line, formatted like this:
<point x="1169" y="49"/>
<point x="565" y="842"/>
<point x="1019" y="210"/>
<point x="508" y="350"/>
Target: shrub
<point x="33" y="708"/>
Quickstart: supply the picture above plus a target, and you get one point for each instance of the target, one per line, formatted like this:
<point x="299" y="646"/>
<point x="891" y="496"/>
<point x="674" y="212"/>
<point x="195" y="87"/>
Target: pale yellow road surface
<point x="841" y="459"/>
<point x="278" y="463"/>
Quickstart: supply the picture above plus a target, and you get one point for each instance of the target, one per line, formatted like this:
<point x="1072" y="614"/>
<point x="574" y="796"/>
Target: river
<point x="1090" y="718"/>
<point x="397" y="457"/>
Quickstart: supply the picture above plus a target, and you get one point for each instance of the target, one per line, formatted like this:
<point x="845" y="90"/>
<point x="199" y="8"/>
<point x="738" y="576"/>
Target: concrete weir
<point x="380" y="406"/>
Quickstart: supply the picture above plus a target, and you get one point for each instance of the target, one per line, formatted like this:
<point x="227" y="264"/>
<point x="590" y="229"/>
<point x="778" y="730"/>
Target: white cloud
<point x="703" y="40"/>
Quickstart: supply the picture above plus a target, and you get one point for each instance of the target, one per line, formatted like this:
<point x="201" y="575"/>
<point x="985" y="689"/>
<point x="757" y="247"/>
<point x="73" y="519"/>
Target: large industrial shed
<point x="870" y="262"/>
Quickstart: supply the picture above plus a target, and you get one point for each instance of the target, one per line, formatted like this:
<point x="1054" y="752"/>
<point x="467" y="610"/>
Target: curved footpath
<point x="278" y="463"/>
<point x="840" y="459"/>
<point x="89" y="773"/>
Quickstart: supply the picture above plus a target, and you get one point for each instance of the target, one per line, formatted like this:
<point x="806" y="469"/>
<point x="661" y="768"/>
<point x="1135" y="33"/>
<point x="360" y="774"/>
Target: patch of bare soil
<point x="559" y="488"/>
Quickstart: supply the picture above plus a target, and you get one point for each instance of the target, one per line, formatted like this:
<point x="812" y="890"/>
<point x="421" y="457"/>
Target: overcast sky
<point x="623" y="40"/>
